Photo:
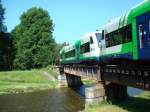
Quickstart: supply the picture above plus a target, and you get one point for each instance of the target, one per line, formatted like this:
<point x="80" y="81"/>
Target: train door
<point x="91" y="46"/>
<point x="78" y="52"/>
<point x="143" y="36"/>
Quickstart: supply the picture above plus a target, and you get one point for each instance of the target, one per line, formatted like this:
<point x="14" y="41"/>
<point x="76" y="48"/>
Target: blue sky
<point x="72" y="18"/>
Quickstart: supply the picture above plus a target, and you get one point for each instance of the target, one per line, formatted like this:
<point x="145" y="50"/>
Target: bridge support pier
<point x="115" y="91"/>
<point x="95" y="93"/>
<point x="62" y="81"/>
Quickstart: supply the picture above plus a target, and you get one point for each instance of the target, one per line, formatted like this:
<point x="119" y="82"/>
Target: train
<point x="123" y="40"/>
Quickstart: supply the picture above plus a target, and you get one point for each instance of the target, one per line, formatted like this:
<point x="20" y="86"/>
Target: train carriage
<point x="68" y="55"/>
<point x="128" y="36"/>
<point x="84" y="51"/>
<point x="89" y="48"/>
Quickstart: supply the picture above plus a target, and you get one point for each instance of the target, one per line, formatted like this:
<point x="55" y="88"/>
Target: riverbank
<point x="25" y="81"/>
<point x="139" y="103"/>
<point x="30" y="80"/>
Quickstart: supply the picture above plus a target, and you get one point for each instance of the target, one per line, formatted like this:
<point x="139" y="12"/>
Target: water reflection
<point x="134" y="91"/>
<point x="58" y="100"/>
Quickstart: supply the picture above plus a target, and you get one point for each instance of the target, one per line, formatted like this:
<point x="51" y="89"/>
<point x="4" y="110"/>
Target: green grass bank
<point x="139" y="103"/>
<point x="25" y="81"/>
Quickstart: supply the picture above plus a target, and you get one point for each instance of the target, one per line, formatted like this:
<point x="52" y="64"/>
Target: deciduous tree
<point x="33" y="41"/>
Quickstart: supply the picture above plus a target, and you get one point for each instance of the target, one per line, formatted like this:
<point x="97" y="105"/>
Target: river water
<point x="56" y="100"/>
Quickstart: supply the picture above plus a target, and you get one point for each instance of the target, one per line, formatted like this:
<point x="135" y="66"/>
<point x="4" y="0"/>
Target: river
<point x="56" y="100"/>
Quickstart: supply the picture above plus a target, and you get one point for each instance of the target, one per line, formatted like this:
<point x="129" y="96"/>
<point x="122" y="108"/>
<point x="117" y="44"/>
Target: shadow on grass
<point x="133" y="104"/>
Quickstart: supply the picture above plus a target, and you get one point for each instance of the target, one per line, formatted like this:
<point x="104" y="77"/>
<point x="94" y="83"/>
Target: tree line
<point x="31" y="43"/>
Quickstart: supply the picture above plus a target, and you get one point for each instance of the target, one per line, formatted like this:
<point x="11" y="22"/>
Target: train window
<point x="120" y="36"/>
<point x="85" y="48"/>
<point x="70" y="54"/>
<point x="103" y="34"/>
<point x="128" y="34"/>
<point x="91" y="40"/>
<point x="109" y="40"/>
<point x="98" y="37"/>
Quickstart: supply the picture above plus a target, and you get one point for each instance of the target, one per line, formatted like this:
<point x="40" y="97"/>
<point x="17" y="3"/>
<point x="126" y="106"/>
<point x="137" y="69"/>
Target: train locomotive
<point x="125" y="39"/>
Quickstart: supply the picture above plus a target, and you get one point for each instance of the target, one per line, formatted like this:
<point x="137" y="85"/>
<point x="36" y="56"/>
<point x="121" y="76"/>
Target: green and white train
<point x="124" y="38"/>
<point x="86" y="50"/>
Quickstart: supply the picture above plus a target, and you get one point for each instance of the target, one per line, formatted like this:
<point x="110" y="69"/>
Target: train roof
<point x="89" y="34"/>
<point x="126" y="18"/>
<point x="86" y="37"/>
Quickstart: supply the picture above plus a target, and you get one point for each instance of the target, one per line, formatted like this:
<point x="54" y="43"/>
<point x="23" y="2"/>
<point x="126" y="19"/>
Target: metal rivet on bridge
<point x="118" y="71"/>
<point x="114" y="71"/>
<point x="127" y="72"/>
<point x="147" y="85"/>
<point x="146" y="73"/>
<point x="122" y="71"/>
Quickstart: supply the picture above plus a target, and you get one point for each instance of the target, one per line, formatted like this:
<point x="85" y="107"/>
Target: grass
<point x="87" y="81"/>
<point x="140" y="103"/>
<point x="103" y="107"/>
<point x="24" y="81"/>
<point x="50" y="69"/>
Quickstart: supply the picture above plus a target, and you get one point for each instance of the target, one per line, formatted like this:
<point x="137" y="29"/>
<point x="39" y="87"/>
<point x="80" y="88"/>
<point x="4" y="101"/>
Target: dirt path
<point x="49" y="76"/>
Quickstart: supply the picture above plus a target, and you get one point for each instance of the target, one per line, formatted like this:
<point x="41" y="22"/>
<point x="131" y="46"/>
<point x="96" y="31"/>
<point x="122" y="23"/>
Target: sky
<point x="71" y="18"/>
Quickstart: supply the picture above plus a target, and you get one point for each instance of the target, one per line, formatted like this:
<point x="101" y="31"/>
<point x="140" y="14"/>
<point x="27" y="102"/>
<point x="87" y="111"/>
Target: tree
<point x="2" y="12"/>
<point x="4" y="42"/>
<point x="33" y="42"/>
<point x="57" y="52"/>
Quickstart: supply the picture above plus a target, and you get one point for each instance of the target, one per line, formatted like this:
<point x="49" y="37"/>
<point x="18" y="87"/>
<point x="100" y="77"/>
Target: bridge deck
<point x="138" y="77"/>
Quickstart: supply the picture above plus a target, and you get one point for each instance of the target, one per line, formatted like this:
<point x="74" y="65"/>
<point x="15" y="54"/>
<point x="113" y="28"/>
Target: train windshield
<point x="98" y="37"/>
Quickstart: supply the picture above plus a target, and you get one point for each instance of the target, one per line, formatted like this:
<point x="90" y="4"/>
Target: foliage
<point x="4" y="42"/>
<point x="57" y="54"/>
<point x="5" y="62"/>
<point x="2" y="12"/>
<point x="33" y="42"/>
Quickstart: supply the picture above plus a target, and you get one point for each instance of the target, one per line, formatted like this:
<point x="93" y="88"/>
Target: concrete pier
<point x="95" y="93"/>
<point x="62" y="81"/>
